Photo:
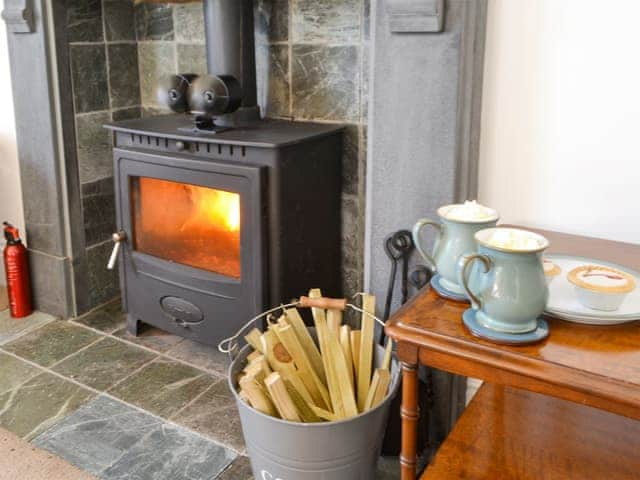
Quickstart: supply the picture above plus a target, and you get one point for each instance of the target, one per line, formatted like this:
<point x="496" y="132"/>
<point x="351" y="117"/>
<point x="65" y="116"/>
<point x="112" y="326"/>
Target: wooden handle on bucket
<point x="324" y="302"/>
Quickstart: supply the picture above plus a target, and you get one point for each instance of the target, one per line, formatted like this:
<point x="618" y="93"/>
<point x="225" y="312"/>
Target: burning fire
<point x="217" y="207"/>
<point x="189" y="224"/>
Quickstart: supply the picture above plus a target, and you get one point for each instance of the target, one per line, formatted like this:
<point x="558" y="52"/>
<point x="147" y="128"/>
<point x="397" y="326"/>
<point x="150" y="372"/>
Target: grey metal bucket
<point x="344" y="450"/>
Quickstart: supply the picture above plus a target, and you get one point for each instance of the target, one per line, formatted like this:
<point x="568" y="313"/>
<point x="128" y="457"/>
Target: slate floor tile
<point x="215" y="415"/>
<point x="171" y="452"/>
<point x="107" y="319"/>
<point x="14" y="372"/>
<point x="151" y="337"/>
<point x="32" y="407"/>
<point x="104" y="363"/>
<point x="163" y="387"/>
<point x="51" y="343"/>
<point x="98" y="434"/>
<point x="203" y="356"/>
<point x="12" y="328"/>
<point x="388" y="468"/>
<point x="240" y="469"/>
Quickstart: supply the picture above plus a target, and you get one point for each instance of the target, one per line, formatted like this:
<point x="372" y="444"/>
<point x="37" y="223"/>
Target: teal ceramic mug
<point x="507" y="286"/>
<point x="454" y="237"/>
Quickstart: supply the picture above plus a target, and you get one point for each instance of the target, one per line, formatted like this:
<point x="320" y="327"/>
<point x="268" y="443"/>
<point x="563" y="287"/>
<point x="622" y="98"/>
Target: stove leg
<point x="133" y="325"/>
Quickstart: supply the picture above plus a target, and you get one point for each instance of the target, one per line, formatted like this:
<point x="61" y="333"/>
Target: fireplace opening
<point x="187" y="224"/>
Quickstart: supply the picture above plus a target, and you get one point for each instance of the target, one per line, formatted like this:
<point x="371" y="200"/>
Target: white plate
<point x="564" y="304"/>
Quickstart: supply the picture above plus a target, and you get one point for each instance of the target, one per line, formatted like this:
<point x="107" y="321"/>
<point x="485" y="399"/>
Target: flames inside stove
<point x="187" y="224"/>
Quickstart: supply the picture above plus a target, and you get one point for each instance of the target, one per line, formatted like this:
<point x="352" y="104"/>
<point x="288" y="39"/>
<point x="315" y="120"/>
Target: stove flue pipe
<point x="229" y="30"/>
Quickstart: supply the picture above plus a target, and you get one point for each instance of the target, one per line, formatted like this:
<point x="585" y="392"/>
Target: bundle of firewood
<point x="289" y="376"/>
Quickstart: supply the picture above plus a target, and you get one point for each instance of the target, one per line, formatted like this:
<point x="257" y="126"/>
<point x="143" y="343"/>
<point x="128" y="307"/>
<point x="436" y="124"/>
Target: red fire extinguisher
<point x="17" y="268"/>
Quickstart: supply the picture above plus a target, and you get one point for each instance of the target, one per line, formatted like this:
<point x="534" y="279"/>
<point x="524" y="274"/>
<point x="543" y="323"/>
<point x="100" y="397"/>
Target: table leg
<point x="409" y="413"/>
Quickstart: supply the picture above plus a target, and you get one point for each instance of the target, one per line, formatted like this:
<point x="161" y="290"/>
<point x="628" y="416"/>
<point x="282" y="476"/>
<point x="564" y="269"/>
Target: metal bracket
<point x="18" y="15"/>
<point x="415" y="16"/>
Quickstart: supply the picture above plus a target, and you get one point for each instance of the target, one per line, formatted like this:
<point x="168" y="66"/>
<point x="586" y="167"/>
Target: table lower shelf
<point x="507" y="433"/>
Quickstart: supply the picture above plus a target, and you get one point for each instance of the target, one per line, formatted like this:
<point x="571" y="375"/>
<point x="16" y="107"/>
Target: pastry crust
<point x="553" y="271"/>
<point x="575" y="277"/>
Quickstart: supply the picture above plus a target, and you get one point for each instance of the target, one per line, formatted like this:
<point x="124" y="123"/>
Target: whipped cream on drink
<point x="513" y="240"/>
<point x="469" y="211"/>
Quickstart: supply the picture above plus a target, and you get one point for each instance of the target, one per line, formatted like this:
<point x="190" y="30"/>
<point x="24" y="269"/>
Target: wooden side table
<point x="596" y="366"/>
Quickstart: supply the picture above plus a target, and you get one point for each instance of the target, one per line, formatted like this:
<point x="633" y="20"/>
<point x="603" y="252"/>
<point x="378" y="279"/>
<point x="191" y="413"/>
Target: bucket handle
<point x="230" y="345"/>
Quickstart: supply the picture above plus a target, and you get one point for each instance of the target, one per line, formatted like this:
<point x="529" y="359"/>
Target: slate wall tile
<point x="325" y="82"/>
<point x="119" y="20"/>
<point x="126" y="113"/>
<point x="350" y="159"/>
<point x="192" y="59"/>
<point x="271" y="18"/>
<point x="103" y="283"/>
<point x="98" y="211"/>
<point x="189" y="23"/>
<point x="84" y="21"/>
<point x="89" y="77"/>
<point x="154" y="22"/>
<point x="336" y="21"/>
<point x="155" y="60"/>
<point x="95" y="159"/>
<point x="272" y="72"/>
<point x="124" y="81"/>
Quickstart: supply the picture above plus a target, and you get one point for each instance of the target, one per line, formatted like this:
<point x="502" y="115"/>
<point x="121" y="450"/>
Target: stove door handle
<point x="117" y="238"/>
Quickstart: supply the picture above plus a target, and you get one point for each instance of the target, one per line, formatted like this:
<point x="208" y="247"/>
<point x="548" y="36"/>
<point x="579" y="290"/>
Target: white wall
<point x="560" y="143"/>
<point x="10" y="194"/>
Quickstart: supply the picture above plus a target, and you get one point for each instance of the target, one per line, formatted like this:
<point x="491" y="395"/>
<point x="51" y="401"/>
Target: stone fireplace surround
<point x="405" y="76"/>
<point x="314" y="63"/>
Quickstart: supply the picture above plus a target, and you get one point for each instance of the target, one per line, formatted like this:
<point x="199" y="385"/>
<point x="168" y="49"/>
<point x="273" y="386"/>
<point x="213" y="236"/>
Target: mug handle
<point x="417" y="228"/>
<point x="463" y="279"/>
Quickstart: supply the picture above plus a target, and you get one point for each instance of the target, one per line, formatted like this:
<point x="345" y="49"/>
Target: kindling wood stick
<point x="386" y="360"/>
<point x="281" y="398"/>
<point x="304" y="408"/>
<point x="378" y="389"/>
<point x="281" y="361"/>
<point x="343" y="376"/>
<point x="345" y="343"/>
<point x="253" y="339"/>
<point x="322" y="330"/>
<point x="366" y="349"/>
<point x="253" y="355"/>
<point x="302" y="332"/>
<point x="355" y="350"/>
<point x="258" y="398"/>
<point x="325" y="414"/>
<point x="334" y="320"/>
<point x="316" y="388"/>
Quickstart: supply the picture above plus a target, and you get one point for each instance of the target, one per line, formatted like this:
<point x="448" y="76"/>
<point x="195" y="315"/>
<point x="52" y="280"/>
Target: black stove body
<point x="215" y="227"/>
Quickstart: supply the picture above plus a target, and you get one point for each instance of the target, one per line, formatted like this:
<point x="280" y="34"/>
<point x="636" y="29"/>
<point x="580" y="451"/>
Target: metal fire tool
<point x="399" y="246"/>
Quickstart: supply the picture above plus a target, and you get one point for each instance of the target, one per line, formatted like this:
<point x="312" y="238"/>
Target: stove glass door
<point x="187" y="224"/>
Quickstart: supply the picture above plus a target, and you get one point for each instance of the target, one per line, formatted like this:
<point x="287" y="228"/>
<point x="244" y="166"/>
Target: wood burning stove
<point x="221" y="214"/>
<point x="214" y="227"/>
